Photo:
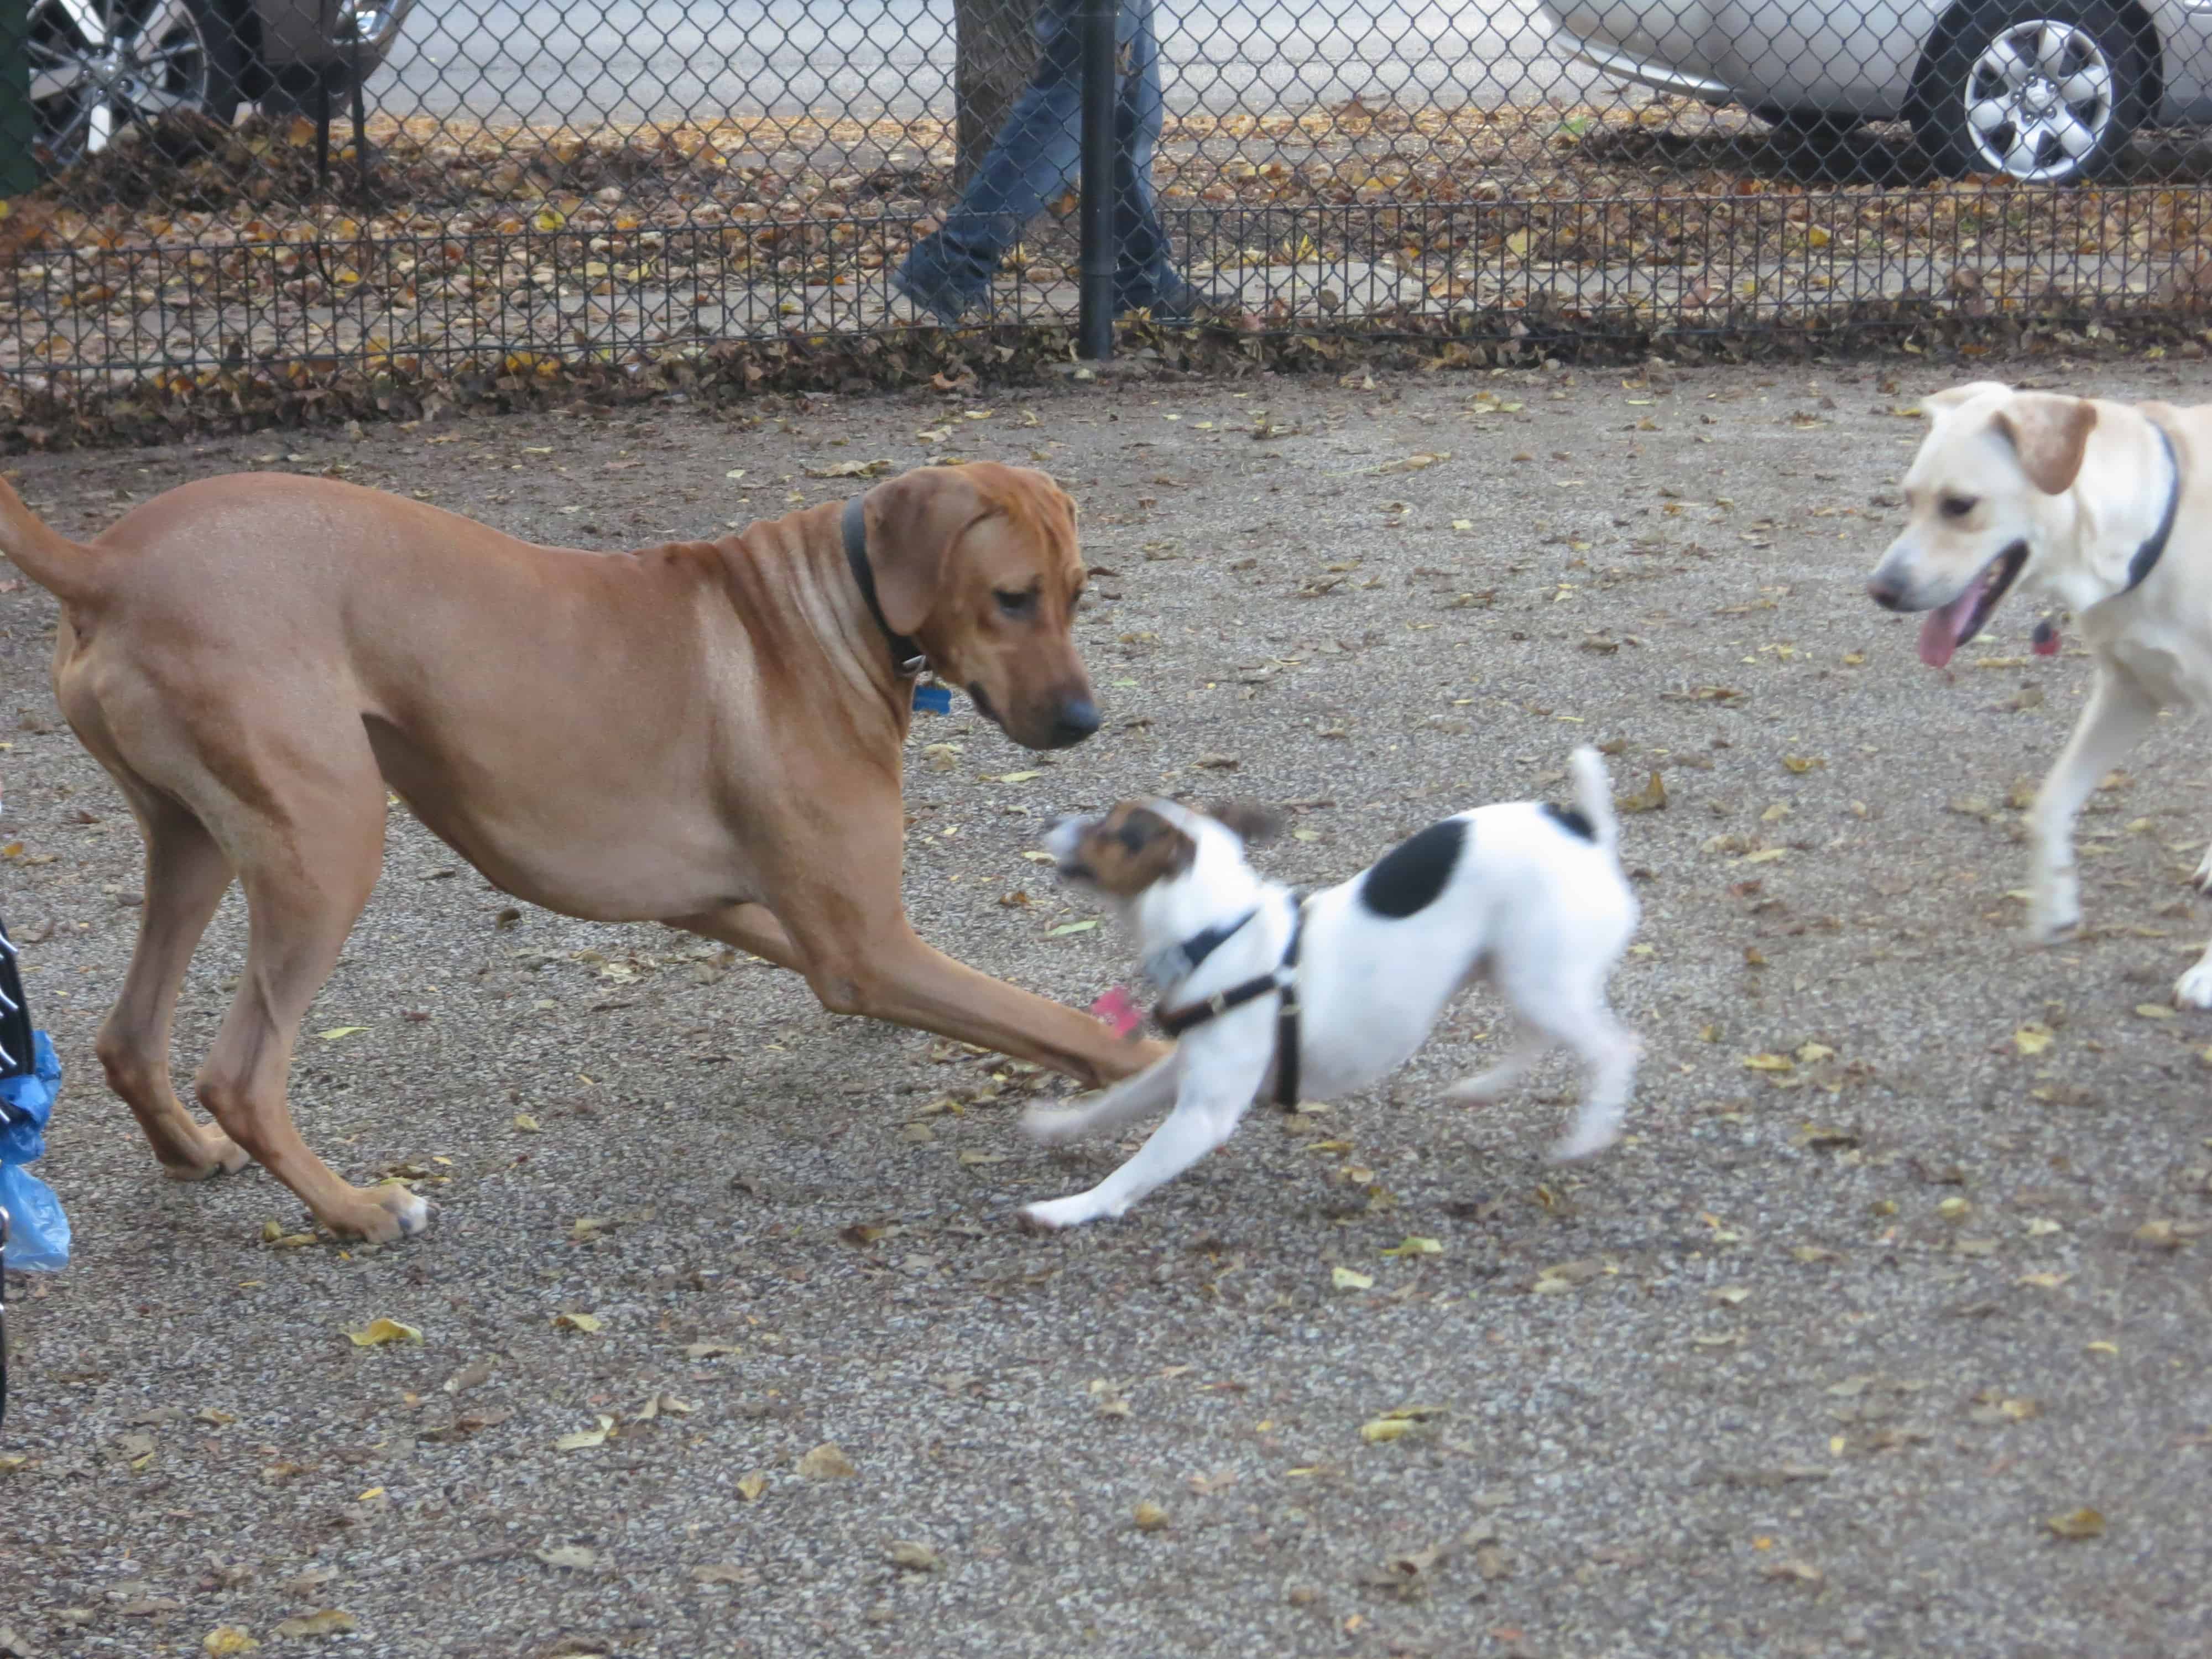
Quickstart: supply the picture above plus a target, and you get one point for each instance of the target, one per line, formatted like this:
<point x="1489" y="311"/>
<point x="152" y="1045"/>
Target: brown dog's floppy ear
<point x="2049" y="433"/>
<point x="1255" y="824"/>
<point x="913" y="522"/>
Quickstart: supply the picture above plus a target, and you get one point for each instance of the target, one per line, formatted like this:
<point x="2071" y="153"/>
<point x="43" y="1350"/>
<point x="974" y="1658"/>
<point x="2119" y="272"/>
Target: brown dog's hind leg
<point x="308" y="869"/>
<point x="185" y="876"/>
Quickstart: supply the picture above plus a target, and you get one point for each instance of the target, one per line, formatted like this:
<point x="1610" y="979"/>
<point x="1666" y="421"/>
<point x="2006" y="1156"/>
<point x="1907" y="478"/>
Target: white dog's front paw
<point x="1585" y="1139"/>
<point x="2194" y="988"/>
<point x="1053" y="1215"/>
<point x="1055" y="1125"/>
<point x="2055" y="911"/>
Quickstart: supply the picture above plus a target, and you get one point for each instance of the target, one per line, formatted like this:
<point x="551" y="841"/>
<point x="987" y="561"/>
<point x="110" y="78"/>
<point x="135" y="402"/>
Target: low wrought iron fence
<point x="284" y="187"/>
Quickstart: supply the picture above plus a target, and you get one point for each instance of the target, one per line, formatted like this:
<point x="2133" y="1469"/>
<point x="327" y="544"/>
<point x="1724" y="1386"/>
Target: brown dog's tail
<point x="64" y="568"/>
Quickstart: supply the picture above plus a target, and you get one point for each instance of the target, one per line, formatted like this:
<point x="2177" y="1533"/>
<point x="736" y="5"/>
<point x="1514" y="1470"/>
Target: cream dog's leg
<point x="2117" y="715"/>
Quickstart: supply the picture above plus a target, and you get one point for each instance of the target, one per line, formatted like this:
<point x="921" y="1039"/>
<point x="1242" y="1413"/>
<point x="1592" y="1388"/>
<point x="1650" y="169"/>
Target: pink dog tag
<point x="1118" y="1011"/>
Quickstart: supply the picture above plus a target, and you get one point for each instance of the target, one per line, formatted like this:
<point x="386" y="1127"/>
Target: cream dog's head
<point x="1993" y="500"/>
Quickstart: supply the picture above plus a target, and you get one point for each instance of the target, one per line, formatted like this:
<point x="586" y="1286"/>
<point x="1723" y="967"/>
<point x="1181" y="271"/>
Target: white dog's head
<point x="1991" y="502"/>
<point x="1142" y="850"/>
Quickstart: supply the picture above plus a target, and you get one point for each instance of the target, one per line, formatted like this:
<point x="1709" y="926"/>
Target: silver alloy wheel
<point x="96" y="67"/>
<point x="2039" y="100"/>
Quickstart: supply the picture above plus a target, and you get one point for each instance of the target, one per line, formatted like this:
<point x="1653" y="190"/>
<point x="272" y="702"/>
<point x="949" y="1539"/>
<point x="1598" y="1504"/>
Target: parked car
<point x="2046" y="90"/>
<point x="99" y="65"/>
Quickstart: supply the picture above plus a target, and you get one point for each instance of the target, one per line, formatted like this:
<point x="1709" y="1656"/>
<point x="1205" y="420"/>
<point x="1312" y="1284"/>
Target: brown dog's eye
<point x="1957" y="506"/>
<point x="1015" y="604"/>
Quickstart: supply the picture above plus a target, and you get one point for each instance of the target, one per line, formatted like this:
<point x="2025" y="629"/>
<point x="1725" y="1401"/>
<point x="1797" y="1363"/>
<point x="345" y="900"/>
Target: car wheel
<point x="98" y="66"/>
<point x="2048" y="91"/>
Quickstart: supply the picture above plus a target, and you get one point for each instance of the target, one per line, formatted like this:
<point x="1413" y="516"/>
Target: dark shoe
<point x="946" y="306"/>
<point x="1180" y="304"/>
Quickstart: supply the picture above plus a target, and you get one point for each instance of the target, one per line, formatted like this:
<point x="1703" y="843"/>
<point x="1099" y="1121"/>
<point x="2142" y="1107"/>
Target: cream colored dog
<point x="2076" y="500"/>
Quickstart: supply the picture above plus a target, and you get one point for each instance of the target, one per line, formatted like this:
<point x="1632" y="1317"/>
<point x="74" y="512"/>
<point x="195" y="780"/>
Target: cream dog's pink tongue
<point x="1939" y="634"/>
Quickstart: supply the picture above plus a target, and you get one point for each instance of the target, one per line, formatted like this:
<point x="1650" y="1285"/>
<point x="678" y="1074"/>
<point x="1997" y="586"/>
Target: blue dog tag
<point x="933" y="699"/>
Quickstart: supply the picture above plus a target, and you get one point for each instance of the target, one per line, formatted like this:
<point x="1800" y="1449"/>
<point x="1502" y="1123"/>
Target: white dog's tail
<point x="1594" y="796"/>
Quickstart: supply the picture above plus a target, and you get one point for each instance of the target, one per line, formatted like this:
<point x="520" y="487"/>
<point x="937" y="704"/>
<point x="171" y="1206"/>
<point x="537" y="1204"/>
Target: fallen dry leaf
<point x="1150" y="1517"/>
<point x="1652" y="798"/>
<point x="1346" y="1280"/>
<point x="228" y="1639"/>
<point x="572" y="1557"/>
<point x="378" y="1332"/>
<point x="2081" y="1523"/>
<point x="750" y="1487"/>
<point x="329" y="1621"/>
<point x="576" y="1321"/>
<point x="913" y="1555"/>
<point x="583" y="1439"/>
<point x="826" y="1462"/>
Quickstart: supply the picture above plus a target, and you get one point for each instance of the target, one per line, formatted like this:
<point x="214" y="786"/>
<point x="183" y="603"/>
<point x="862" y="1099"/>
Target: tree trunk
<point x="996" y="50"/>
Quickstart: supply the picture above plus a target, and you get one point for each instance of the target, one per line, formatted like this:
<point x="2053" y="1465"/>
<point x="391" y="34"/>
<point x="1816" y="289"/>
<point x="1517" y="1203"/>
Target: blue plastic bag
<point x="39" y="1235"/>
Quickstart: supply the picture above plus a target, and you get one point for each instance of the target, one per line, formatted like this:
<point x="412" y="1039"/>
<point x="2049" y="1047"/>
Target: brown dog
<point x="705" y="734"/>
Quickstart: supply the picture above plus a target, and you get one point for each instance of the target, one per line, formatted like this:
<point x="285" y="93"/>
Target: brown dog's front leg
<point x="902" y="980"/>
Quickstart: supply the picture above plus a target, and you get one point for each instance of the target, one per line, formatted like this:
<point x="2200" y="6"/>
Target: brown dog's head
<point x="980" y="564"/>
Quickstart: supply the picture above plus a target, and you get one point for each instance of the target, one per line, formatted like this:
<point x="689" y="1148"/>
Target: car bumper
<point x="1624" y="66"/>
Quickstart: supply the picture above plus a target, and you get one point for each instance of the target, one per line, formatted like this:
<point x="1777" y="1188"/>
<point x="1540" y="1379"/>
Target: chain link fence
<point x="288" y="188"/>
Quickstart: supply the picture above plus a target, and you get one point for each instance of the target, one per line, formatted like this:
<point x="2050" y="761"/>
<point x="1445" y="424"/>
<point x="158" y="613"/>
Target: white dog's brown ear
<point x="1944" y="402"/>
<point x="913" y="522"/>
<point x="2050" y="433"/>
<point x="1256" y="825"/>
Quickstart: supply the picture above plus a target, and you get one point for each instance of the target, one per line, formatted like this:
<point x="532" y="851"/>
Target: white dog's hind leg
<point x="1199" y="1123"/>
<point x="2117" y="715"/>
<point x="1050" y="1125"/>
<point x="1486" y="1088"/>
<point x="1611" y="1050"/>
<point x="2194" y="988"/>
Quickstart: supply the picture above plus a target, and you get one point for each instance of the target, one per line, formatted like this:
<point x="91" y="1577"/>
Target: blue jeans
<point x="1037" y="158"/>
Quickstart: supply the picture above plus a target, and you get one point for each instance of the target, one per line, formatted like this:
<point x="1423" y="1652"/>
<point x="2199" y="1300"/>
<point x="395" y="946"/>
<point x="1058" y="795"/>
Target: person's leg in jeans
<point x="1033" y="160"/>
<point x="1036" y="158"/>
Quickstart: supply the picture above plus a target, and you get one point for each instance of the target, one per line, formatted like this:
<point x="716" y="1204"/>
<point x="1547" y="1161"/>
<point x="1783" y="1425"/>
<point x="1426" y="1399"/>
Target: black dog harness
<point x="1282" y="981"/>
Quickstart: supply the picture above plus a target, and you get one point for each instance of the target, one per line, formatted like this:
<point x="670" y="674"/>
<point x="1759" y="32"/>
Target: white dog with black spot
<point x="1327" y="995"/>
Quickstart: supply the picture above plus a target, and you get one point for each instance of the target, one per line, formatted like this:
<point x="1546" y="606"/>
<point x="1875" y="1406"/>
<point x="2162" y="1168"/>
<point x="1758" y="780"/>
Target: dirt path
<point x="1805" y="1367"/>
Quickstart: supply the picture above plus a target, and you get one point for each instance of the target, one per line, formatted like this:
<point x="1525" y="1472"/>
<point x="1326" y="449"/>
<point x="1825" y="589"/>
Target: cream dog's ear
<point x="2050" y="433"/>
<point x="1944" y="402"/>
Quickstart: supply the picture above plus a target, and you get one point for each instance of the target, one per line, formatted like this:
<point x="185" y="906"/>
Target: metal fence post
<point x="17" y="174"/>
<point x="1095" y="320"/>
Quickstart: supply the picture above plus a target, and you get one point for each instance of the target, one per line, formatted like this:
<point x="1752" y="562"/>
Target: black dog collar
<point x="2147" y="555"/>
<point x="906" y="654"/>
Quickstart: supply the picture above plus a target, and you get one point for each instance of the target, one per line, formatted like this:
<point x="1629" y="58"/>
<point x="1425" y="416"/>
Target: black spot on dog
<point x="1570" y="820"/>
<point x="1406" y="880"/>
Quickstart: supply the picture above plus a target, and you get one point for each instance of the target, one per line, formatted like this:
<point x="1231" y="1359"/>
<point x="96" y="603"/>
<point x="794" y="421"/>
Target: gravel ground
<point x="1807" y="1365"/>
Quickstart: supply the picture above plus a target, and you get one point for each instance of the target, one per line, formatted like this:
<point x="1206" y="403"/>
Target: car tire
<point x="2046" y="91"/>
<point x="190" y="55"/>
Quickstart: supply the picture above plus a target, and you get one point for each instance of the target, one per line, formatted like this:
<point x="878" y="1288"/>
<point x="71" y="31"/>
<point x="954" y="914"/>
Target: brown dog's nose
<point x="1886" y="592"/>
<point x="1076" y="719"/>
